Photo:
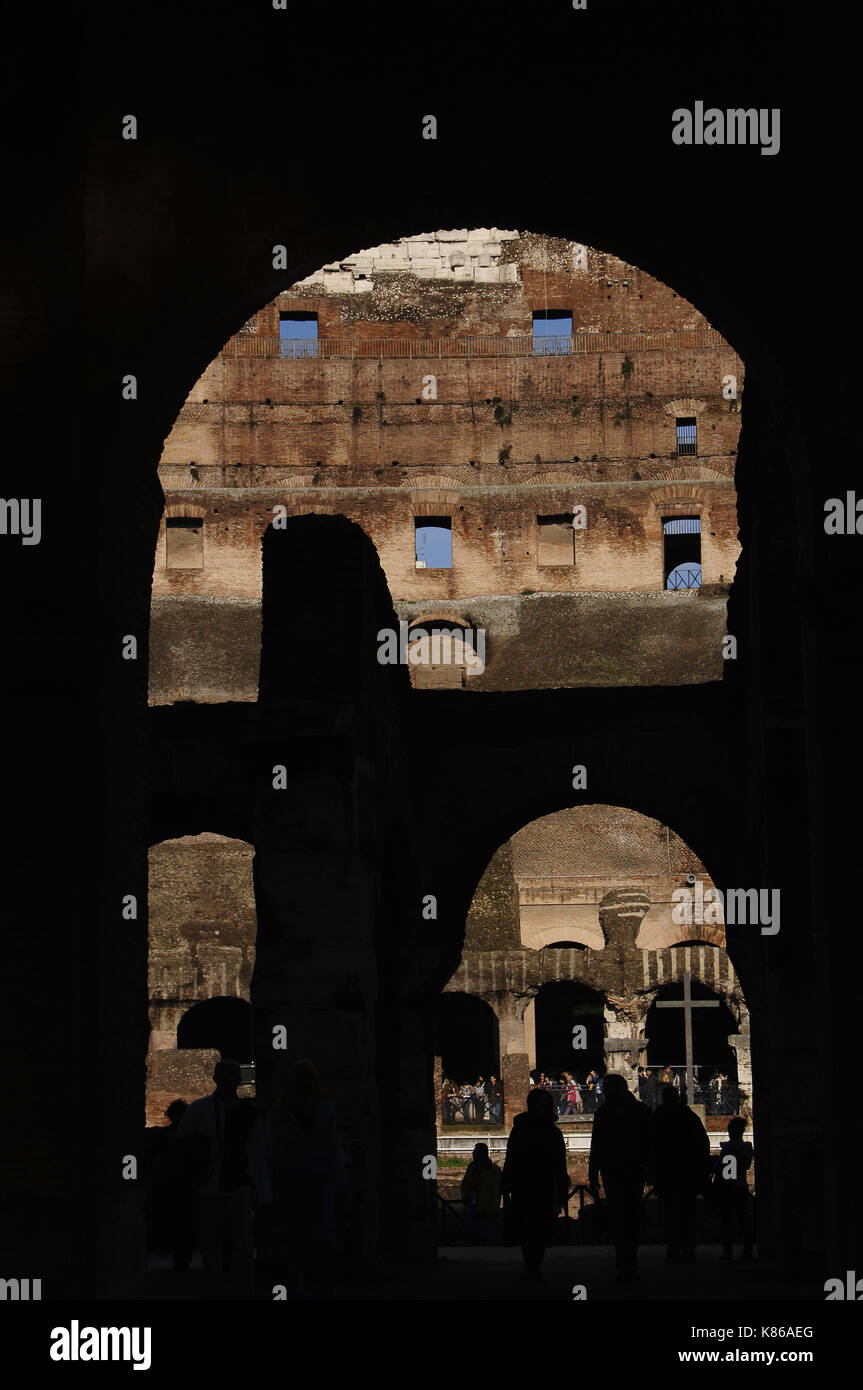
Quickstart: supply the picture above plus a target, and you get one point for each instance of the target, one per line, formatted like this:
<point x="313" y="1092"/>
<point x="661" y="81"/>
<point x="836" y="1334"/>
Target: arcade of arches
<point x="258" y="666"/>
<point x="572" y="923"/>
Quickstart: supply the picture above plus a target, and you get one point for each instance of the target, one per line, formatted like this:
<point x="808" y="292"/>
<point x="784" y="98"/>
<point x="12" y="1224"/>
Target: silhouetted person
<point x="449" y="1100"/>
<point x="171" y="1191"/>
<point x="494" y="1091"/>
<point x="647" y="1088"/>
<point x="732" y="1189"/>
<point x="619" y="1154"/>
<point x="308" y="1178"/>
<point x="535" y="1180"/>
<point x="233" y="1175"/>
<point x="680" y="1165"/>
<point x="480" y="1192"/>
<point x="720" y="1091"/>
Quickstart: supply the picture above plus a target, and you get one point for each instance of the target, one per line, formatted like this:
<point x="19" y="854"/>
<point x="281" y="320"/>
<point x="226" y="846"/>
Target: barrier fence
<point x="464" y="1107"/>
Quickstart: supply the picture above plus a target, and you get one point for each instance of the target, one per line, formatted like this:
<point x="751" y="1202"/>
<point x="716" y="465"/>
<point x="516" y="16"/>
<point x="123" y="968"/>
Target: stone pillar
<point x="624" y="1049"/>
<point x="741" y="1044"/>
<point x="516" y="1079"/>
<point x="530" y="1033"/>
<point x="514" y="1060"/>
<point x="623" y="1056"/>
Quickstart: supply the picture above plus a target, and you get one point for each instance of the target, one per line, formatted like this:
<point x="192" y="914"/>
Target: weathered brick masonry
<point x="424" y="397"/>
<point x="493" y="440"/>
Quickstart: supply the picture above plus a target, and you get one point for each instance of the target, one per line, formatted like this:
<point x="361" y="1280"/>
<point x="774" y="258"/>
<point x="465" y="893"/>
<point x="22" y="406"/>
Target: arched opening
<point x="714" y="1060"/>
<point x="467" y="1042"/>
<point x="496" y="522"/>
<point x="224" y="1024"/>
<point x="570" y="1030"/>
<point x="442" y="653"/>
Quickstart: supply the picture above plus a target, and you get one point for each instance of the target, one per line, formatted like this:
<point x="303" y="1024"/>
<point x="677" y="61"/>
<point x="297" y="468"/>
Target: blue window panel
<point x="684" y="577"/>
<point x="434" y="547"/>
<point x="687" y="437"/>
<point x="552" y="333"/>
<point x="682" y="526"/>
<point x="298" y="335"/>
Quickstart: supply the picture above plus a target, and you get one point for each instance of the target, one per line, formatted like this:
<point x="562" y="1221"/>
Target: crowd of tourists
<point x="631" y="1146"/>
<point x="717" y="1093"/>
<point x="472" y="1102"/>
<point x="482" y="1100"/>
<point x="222" y="1181"/>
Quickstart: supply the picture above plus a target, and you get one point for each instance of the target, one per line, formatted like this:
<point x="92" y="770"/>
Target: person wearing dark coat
<point x="535" y="1181"/>
<point x="619" y="1155"/>
<point x="170" y="1192"/>
<point x="732" y="1188"/>
<point x="680" y="1167"/>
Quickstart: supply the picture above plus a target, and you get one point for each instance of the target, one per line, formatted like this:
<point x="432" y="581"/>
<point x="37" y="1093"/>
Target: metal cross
<point x="687" y="1003"/>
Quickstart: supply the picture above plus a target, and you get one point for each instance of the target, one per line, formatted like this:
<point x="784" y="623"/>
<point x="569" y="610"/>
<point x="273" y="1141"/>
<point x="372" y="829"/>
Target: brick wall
<point x="504" y="441"/>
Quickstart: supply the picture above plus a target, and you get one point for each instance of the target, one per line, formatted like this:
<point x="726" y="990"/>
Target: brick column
<point x="741" y="1043"/>
<point x="516" y="1079"/>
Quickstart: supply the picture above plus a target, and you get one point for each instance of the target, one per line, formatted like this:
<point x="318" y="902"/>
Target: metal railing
<point x="466" y="1110"/>
<point x="520" y="345"/>
<point x="684" y="577"/>
<point x="472" y="1110"/>
<point x="722" y="1100"/>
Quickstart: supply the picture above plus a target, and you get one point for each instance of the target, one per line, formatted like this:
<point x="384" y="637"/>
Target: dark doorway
<point x="466" y="1038"/>
<point x="561" y="1006"/>
<point x="710" y="1030"/>
<point x="681" y="559"/>
<point x="223" y="1023"/>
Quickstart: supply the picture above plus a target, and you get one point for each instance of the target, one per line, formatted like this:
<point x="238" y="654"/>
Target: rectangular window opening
<point x="433" y="541"/>
<point x="184" y="543"/>
<point x="298" y="335"/>
<point x="687" y="435"/>
<point x="552" y="333"/>
<point x="681" y="541"/>
<point x="555" y="540"/>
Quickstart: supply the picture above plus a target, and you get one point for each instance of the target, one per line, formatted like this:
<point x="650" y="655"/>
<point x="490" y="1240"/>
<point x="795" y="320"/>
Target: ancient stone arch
<point x="591" y="876"/>
<point x="510" y="442"/>
<point x="173" y="361"/>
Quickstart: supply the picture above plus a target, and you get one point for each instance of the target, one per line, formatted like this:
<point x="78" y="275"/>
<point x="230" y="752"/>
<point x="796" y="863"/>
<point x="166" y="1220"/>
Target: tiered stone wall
<point x="493" y="440"/>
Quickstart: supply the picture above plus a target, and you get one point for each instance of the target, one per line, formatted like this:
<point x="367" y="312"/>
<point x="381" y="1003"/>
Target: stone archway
<point x="172" y="362"/>
<point x="587" y="895"/>
<point x="202" y="935"/>
<point x="224" y="1023"/>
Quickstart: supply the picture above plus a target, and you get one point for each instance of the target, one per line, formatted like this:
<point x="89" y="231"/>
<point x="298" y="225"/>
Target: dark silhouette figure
<point x="680" y="1167"/>
<point x="231" y="1176"/>
<point x="480" y="1192"/>
<point x="647" y="1088"/>
<point x="308" y="1182"/>
<point x="732" y="1189"/>
<point x="170" y="1192"/>
<point x="619" y="1154"/>
<point x="535" y="1181"/>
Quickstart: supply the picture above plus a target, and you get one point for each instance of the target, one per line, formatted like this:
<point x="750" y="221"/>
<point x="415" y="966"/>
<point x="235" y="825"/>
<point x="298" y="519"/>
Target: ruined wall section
<point x="202" y="930"/>
<point x="494" y="441"/>
<point x="251" y="421"/>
